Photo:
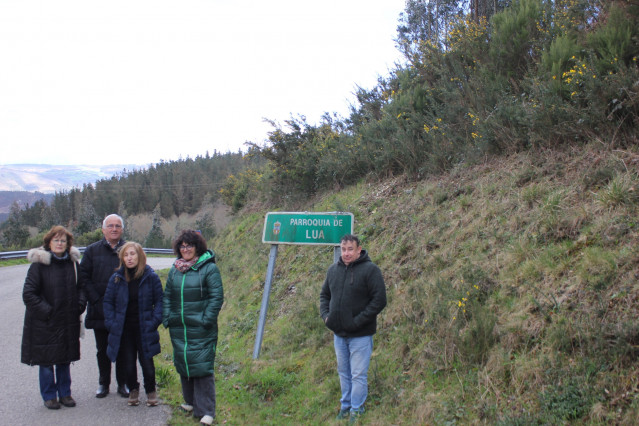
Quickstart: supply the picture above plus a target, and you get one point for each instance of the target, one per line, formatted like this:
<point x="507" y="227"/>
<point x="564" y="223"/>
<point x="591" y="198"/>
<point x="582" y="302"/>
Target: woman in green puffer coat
<point x="192" y="301"/>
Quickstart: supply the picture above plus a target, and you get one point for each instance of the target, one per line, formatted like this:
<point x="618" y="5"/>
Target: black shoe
<point x="343" y="414"/>
<point x="102" y="391"/>
<point x="67" y="401"/>
<point x="52" y="404"/>
<point x="123" y="391"/>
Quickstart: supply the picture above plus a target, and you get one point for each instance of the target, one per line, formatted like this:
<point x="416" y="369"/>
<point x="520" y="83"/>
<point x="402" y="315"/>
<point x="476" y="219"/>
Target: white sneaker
<point x="207" y="420"/>
<point x="186" y="407"/>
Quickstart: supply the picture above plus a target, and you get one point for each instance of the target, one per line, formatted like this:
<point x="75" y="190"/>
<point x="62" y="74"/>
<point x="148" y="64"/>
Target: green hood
<point x="206" y="256"/>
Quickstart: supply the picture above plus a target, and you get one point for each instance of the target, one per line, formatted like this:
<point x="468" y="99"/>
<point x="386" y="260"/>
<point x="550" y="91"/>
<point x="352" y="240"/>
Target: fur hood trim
<point x="40" y="255"/>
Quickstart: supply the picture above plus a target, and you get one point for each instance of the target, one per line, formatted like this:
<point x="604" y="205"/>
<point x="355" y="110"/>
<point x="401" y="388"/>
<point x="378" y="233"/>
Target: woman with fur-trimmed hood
<point x="54" y="297"/>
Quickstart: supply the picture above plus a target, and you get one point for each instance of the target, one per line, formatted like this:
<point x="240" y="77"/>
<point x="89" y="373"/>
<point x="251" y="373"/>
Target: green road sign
<point x="306" y="228"/>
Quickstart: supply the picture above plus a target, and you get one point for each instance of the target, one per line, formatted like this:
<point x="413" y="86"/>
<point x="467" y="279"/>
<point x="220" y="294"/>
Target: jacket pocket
<point x="331" y="323"/>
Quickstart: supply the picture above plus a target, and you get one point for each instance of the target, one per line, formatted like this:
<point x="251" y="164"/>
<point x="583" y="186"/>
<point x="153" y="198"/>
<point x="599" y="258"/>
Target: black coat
<point x="54" y="297"/>
<point x="352" y="296"/>
<point x="99" y="262"/>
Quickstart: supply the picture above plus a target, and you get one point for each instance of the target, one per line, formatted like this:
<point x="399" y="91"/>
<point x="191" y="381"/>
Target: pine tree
<point x="48" y="218"/>
<point x="88" y="219"/>
<point x="206" y="226"/>
<point x="155" y="238"/>
<point x="15" y="232"/>
<point x="122" y="212"/>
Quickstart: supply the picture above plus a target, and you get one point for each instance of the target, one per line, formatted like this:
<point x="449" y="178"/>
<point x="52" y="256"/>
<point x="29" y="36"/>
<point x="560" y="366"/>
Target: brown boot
<point x="52" y="404"/>
<point x="134" y="397"/>
<point x="67" y="401"/>
<point x="152" y="399"/>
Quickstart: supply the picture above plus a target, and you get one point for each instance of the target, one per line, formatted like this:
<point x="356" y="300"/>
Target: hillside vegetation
<point x="512" y="299"/>
<point x="506" y="77"/>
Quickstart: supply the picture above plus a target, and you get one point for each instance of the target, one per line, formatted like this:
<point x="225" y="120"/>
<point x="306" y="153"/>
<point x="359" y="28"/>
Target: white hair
<point x="110" y="216"/>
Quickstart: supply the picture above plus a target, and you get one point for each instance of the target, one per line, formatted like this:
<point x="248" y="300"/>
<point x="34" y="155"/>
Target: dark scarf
<point x="63" y="257"/>
<point x="183" y="266"/>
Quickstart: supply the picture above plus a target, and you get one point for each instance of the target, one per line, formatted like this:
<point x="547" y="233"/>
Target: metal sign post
<point x="337" y="252"/>
<point x="301" y="228"/>
<point x="267" y="292"/>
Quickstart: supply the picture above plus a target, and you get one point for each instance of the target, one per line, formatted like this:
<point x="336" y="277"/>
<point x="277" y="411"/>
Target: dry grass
<point x="543" y="250"/>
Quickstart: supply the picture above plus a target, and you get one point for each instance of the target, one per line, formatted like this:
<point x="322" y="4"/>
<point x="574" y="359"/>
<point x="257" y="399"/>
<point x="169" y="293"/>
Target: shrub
<point x="513" y="37"/>
<point x="616" y="40"/>
<point x="87" y="238"/>
<point x="558" y="59"/>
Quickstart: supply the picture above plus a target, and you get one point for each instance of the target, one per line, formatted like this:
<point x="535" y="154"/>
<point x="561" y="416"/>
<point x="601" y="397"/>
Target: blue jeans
<point x="58" y="384"/>
<point x="353" y="358"/>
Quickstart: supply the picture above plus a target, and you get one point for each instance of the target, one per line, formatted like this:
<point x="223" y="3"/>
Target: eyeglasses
<point x="57" y="241"/>
<point x="111" y="226"/>
<point x="186" y="247"/>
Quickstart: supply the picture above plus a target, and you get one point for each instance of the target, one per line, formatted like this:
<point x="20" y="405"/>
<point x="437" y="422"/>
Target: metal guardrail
<point x="21" y="254"/>
<point x="158" y="251"/>
<point x="4" y="255"/>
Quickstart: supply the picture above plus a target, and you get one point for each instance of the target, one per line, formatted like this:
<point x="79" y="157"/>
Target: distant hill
<point x="28" y="183"/>
<point x="22" y="197"/>
<point x="48" y="178"/>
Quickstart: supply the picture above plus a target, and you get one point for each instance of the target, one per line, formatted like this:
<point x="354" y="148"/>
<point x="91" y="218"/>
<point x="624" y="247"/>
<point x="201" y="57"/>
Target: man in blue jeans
<point x="352" y="296"/>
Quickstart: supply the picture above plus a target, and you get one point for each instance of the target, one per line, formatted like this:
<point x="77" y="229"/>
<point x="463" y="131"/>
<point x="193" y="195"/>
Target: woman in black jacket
<point x="54" y="297"/>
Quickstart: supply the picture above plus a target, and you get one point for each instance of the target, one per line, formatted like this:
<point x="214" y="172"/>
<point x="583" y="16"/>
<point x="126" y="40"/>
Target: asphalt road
<point x="21" y="403"/>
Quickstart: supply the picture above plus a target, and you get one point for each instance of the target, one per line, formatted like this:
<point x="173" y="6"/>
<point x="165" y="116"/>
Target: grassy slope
<point x="512" y="299"/>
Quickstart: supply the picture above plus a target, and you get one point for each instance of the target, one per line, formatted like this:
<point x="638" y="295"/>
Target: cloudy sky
<point x="139" y="81"/>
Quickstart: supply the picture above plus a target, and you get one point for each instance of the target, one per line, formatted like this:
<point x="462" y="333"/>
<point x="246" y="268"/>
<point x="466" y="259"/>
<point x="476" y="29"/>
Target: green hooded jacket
<point x="192" y="302"/>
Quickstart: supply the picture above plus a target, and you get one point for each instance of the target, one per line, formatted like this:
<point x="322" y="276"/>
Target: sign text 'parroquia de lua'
<point x="307" y="228"/>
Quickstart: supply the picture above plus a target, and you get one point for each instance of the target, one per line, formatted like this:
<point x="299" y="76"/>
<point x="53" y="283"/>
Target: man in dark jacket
<point x="352" y="296"/>
<point x="99" y="262"/>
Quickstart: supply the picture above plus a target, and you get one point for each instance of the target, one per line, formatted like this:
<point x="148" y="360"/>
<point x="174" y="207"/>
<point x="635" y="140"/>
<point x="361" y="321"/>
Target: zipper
<point x="186" y="343"/>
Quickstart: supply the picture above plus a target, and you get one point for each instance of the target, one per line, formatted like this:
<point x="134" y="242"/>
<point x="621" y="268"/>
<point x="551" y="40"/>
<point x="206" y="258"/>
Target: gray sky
<point x="139" y="81"/>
